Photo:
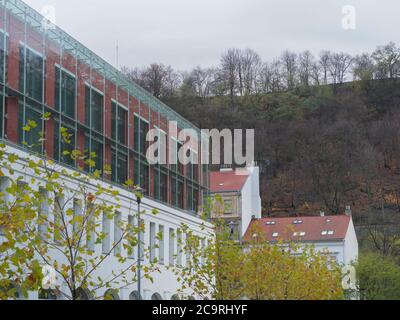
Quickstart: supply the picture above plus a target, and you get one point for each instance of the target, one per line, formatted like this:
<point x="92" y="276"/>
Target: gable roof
<point x="315" y="228"/>
<point x="221" y="181"/>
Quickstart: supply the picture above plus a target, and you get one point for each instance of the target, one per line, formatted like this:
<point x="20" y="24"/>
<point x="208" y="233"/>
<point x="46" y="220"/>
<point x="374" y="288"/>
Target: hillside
<point x="326" y="146"/>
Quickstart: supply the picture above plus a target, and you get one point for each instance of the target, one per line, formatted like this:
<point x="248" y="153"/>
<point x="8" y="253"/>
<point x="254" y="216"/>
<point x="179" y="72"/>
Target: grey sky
<point x="186" y="33"/>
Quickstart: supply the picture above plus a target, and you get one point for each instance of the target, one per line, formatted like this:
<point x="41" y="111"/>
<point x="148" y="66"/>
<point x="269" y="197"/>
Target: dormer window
<point x="299" y="234"/>
<point x="270" y="223"/>
<point x="327" y="233"/>
<point x="275" y="235"/>
<point x="297" y="221"/>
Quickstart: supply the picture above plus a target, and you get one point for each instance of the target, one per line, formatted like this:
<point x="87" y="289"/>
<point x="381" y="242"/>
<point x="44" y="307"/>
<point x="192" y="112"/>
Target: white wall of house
<point x="350" y="245"/>
<point x="335" y="249"/>
<point x="169" y="219"/>
<point x="344" y="251"/>
<point x="250" y="198"/>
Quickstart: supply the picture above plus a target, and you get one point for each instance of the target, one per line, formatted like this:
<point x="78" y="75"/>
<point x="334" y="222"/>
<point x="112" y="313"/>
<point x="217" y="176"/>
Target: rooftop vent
<point x="322" y="213"/>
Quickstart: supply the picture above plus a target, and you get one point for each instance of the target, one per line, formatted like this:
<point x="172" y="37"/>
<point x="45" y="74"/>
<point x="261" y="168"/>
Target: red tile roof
<point x="221" y="181"/>
<point x="312" y="227"/>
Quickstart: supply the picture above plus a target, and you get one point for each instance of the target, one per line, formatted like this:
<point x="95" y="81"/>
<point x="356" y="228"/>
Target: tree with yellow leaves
<point x="288" y="271"/>
<point x="51" y="229"/>
<point x="256" y="270"/>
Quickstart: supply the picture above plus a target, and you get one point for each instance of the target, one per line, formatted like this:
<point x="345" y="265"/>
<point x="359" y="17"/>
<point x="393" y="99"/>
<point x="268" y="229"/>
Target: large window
<point x="94" y="105"/>
<point x="141" y="129"/>
<point x="32" y="138"/>
<point x="119" y="167"/>
<point x="180" y="202"/>
<point x="2" y="120"/>
<point x="173" y="190"/>
<point x="64" y="144"/>
<point x="94" y="147"/>
<point x="160" y="185"/>
<point x="119" y="124"/>
<point x="65" y="92"/>
<point x="164" y="187"/>
<point x="192" y="167"/>
<point x="31" y="73"/>
<point x="3" y="56"/>
<point x="180" y="165"/>
<point x="195" y="207"/>
<point x="142" y="175"/>
<point x="189" y="197"/>
<point x="192" y="197"/>
<point x="136" y="180"/>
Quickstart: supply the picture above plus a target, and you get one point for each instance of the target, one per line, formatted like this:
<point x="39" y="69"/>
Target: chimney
<point x="322" y="213"/>
<point x="253" y="217"/>
<point x="348" y="211"/>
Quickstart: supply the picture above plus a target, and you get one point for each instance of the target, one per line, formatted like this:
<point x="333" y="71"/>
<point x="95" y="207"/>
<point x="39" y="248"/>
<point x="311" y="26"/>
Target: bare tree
<point x="339" y="64"/>
<point x="158" y="79"/>
<point x="363" y="67"/>
<point x="324" y="60"/>
<point x="264" y="83"/>
<point x="250" y="65"/>
<point x="316" y="73"/>
<point x="387" y="59"/>
<point x="289" y="66"/>
<point x="306" y="61"/>
<point x="201" y="81"/>
<point x="230" y="62"/>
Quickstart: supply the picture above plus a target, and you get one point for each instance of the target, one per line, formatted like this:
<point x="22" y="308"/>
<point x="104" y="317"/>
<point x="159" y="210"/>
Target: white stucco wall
<point x="350" y="244"/>
<point x="250" y="198"/>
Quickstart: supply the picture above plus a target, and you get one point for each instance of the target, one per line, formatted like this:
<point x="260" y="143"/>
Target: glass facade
<point x="93" y="108"/>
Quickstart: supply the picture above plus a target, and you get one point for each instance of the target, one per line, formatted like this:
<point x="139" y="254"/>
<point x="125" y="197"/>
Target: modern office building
<point x="44" y="70"/>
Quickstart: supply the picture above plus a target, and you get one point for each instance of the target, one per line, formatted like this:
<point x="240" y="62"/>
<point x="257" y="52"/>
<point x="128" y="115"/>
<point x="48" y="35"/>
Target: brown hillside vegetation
<point x="325" y="147"/>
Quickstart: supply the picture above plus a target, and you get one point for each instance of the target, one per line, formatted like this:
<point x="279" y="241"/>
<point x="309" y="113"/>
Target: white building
<point x="168" y="221"/>
<point x="333" y="234"/>
<point x="240" y="191"/>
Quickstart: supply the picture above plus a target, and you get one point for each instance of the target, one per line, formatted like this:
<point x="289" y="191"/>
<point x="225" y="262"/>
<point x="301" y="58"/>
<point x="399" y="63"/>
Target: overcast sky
<point x="187" y="33"/>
